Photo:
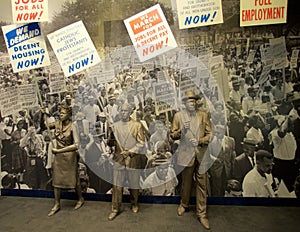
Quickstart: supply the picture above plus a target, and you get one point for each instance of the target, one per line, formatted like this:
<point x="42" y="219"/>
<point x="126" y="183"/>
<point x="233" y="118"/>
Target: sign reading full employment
<point x="199" y="13"/>
<point x="262" y="12"/>
<point x="26" y="46"/>
<point x="25" y="11"/>
<point x="74" y="48"/>
<point x="150" y="33"/>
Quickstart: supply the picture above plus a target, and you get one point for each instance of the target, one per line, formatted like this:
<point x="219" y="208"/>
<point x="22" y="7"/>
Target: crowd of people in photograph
<point x="254" y="145"/>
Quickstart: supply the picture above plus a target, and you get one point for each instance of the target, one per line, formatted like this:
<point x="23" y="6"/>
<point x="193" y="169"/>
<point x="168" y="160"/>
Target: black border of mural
<point x="234" y="201"/>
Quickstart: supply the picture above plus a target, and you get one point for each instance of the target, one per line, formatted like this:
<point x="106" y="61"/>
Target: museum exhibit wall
<point x="245" y="77"/>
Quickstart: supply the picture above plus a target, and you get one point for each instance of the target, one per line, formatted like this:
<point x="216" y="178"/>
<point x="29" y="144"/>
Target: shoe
<point x="180" y="210"/>
<point x="79" y="204"/>
<point x="134" y="209"/>
<point x="53" y="211"/>
<point x="204" y="223"/>
<point x="112" y="215"/>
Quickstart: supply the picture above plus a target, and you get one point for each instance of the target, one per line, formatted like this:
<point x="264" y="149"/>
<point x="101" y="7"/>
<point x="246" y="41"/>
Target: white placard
<point x="262" y="12"/>
<point x="199" y="13"/>
<point x="26" y="11"/>
<point x="26" y="46"/>
<point x="150" y="33"/>
<point x="74" y="48"/>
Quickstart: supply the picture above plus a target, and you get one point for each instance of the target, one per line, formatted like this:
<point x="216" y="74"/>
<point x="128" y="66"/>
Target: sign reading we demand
<point x="150" y="33"/>
<point x="262" y="12"/>
<point x="26" y="46"/>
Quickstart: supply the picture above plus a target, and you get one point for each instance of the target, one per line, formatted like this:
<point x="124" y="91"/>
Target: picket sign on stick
<point x="41" y="102"/>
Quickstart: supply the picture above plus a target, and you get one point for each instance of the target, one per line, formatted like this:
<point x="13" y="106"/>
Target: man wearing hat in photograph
<point x="10" y="181"/>
<point x="68" y="100"/>
<point x="91" y="111"/>
<point x="102" y="124"/>
<point x="98" y="170"/>
<point x="252" y="100"/>
<point x="235" y="94"/>
<point x="193" y="129"/>
<point x="162" y="181"/>
<point x="112" y="108"/>
<point x="244" y="162"/>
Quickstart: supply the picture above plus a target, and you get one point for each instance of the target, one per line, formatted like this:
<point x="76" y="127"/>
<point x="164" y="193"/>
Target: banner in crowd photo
<point x="195" y="13"/>
<point x="9" y="101"/>
<point x="262" y="12"/>
<point x="150" y="33"/>
<point x="294" y="58"/>
<point x="279" y="52"/>
<point x="25" y="11"/>
<point x="74" y="48"/>
<point x="165" y="98"/>
<point x="26" y="46"/>
<point x="28" y="96"/>
<point x="57" y="82"/>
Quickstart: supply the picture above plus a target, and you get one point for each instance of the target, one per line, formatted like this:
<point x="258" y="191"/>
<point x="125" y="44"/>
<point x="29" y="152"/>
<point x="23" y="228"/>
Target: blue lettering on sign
<point x="196" y="19"/>
<point x="80" y="64"/>
<point x="22" y="34"/>
<point x="27" y="63"/>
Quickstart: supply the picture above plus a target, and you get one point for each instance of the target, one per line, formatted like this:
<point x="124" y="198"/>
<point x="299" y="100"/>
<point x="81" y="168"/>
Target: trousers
<point x="121" y="178"/>
<point x="201" y="188"/>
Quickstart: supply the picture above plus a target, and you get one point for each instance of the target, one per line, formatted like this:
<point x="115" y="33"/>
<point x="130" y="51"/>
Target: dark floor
<point x="30" y="214"/>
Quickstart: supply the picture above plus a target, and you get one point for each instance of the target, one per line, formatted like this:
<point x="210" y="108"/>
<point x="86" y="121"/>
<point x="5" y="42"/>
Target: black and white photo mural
<point x="245" y="79"/>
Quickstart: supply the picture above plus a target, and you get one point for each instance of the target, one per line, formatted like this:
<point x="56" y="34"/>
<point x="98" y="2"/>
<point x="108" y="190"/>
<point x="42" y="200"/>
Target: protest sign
<point x="165" y="98"/>
<point x="268" y="64"/>
<point x="279" y="53"/>
<point x="262" y="12"/>
<point x="196" y="13"/>
<point x="251" y="56"/>
<point x="294" y="58"/>
<point x="25" y="11"/>
<point x="189" y="80"/>
<point x="74" y="48"/>
<point x="104" y="76"/>
<point x="150" y="33"/>
<point x="57" y="83"/>
<point x="9" y="101"/>
<point x="216" y="64"/>
<point x="27" y="96"/>
<point x="221" y="80"/>
<point x="26" y="46"/>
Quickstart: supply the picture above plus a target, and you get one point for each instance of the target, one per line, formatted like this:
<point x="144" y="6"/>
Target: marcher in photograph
<point x="258" y="182"/>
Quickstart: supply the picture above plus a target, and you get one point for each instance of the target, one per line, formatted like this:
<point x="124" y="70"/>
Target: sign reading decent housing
<point x="26" y="46"/>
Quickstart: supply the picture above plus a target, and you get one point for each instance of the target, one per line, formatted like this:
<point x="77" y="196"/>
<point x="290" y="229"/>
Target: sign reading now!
<point x="25" y="11"/>
<point x="199" y="13"/>
<point x="150" y="33"/>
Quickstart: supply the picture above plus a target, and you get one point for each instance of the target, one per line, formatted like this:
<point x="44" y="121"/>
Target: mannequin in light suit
<point x="193" y="128"/>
